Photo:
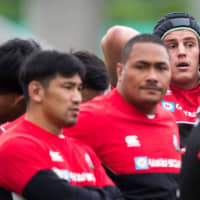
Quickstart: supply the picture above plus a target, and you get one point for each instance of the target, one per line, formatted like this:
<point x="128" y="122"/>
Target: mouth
<point x="152" y="89"/>
<point x="182" y="65"/>
<point x="74" y="111"/>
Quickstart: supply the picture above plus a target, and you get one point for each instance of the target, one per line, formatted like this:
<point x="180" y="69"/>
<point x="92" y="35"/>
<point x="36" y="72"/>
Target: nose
<point x="152" y="75"/>
<point x="181" y="49"/>
<point x="77" y="97"/>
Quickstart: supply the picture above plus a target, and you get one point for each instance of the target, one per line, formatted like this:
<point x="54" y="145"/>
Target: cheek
<point x="165" y="80"/>
<point x="195" y="59"/>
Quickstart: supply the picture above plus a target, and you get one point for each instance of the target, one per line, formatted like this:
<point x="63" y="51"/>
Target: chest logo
<point x="55" y="156"/>
<point x="168" y="105"/>
<point x="141" y="162"/>
<point x="132" y="141"/>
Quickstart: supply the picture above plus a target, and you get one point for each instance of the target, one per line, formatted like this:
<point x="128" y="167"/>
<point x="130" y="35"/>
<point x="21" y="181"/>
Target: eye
<point x="140" y="67"/>
<point x="189" y="44"/>
<point x="162" y="68"/>
<point x="67" y="87"/>
<point x="81" y="87"/>
<point x="171" y="46"/>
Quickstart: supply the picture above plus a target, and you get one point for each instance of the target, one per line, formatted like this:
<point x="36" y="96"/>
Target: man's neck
<point x="189" y="85"/>
<point x="43" y="123"/>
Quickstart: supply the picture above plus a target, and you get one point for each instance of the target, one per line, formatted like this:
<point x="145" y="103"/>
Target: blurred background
<point x="79" y="24"/>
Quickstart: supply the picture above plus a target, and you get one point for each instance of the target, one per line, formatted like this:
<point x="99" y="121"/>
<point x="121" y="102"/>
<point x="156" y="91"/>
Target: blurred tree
<point x="12" y="9"/>
<point x="126" y="10"/>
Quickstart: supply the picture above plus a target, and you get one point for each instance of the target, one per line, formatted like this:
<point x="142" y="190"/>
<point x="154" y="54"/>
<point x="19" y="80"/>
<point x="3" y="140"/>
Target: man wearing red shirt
<point x="136" y="139"/>
<point x="37" y="161"/>
<point x="181" y="33"/>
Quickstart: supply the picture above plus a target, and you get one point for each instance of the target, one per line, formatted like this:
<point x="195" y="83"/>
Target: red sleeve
<point x="8" y="125"/>
<point x="3" y="127"/>
<point x="21" y="158"/>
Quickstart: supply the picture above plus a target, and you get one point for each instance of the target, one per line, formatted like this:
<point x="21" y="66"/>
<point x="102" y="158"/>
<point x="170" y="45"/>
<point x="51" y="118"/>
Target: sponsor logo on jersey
<point x="146" y="163"/>
<point x="55" y="156"/>
<point x="141" y="163"/>
<point x="89" y="160"/>
<point x="74" y="176"/>
<point x="164" y="162"/>
<point x="132" y="141"/>
<point x="168" y="105"/>
<point x="186" y="112"/>
<point x="62" y="173"/>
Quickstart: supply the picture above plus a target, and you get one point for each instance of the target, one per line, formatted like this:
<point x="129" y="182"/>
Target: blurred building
<point x="66" y="24"/>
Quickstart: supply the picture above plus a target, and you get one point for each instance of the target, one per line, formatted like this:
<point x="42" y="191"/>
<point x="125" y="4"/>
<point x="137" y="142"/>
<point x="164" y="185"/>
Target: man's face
<point x="184" y="52"/>
<point x="61" y="100"/>
<point x="145" y="77"/>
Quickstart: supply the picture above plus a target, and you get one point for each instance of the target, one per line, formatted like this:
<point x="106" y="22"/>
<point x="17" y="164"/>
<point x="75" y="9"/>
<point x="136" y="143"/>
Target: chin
<point x="152" y="101"/>
<point x="71" y="123"/>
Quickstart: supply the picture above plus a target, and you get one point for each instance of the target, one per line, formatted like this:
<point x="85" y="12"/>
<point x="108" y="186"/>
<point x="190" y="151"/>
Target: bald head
<point x="112" y="44"/>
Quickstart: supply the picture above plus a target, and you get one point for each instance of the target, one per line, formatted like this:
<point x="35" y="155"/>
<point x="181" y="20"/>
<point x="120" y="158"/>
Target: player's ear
<point x="120" y="69"/>
<point x="18" y="99"/>
<point x="36" y="91"/>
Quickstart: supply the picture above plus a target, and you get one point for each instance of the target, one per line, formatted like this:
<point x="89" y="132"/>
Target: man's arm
<point x="46" y="185"/>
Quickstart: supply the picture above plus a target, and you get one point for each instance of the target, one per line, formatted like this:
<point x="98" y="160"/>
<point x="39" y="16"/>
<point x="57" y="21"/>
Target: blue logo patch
<point x="65" y="174"/>
<point x="168" y="105"/>
<point x="141" y="163"/>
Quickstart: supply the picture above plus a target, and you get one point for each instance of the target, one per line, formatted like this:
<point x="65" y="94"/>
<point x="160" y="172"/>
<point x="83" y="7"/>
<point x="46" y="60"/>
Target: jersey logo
<point x="168" y="105"/>
<point x="62" y="173"/>
<point x="77" y="177"/>
<point x="141" y="162"/>
<point x="89" y="160"/>
<point x="55" y="156"/>
<point x="132" y="141"/>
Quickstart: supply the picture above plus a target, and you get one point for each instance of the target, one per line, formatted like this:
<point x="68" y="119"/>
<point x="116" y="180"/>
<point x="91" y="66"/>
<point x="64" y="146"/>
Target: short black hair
<point x="176" y="20"/>
<point x="96" y="74"/>
<point x="45" y="65"/>
<point x="12" y="54"/>
<point x="142" y="38"/>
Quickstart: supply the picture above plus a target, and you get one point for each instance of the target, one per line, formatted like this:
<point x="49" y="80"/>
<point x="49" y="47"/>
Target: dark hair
<point x="175" y="20"/>
<point x="45" y="65"/>
<point x="12" y="54"/>
<point x="142" y="38"/>
<point x="96" y="74"/>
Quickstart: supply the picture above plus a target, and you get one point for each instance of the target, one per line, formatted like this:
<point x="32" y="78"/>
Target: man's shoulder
<point x="18" y="137"/>
<point x="97" y="104"/>
<point x="10" y="124"/>
<point x="165" y="114"/>
<point x="78" y="145"/>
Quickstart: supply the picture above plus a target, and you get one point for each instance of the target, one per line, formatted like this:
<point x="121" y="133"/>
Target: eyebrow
<point x="184" y="39"/>
<point x="142" y="62"/>
<point x="71" y="83"/>
<point x="147" y="63"/>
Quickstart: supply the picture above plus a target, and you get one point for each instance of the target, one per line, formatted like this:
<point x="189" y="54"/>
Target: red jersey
<point x="10" y="124"/>
<point x="139" y="153"/>
<point x="27" y="149"/>
<point x="184" y="105"/>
